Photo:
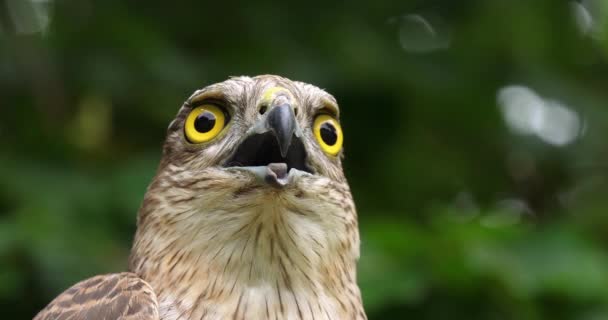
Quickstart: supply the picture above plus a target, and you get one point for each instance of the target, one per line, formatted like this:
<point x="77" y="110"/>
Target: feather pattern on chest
<point x="243" y="252"/>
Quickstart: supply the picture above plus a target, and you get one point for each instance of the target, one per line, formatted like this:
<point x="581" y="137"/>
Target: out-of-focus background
<point x="476" y="139"/>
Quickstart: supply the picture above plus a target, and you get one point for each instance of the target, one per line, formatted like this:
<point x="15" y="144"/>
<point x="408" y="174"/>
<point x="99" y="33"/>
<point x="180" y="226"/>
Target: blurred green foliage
<point x="463" y="213"/>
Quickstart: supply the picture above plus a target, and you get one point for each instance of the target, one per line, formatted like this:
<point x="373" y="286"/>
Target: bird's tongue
<point x="277" y="174"/>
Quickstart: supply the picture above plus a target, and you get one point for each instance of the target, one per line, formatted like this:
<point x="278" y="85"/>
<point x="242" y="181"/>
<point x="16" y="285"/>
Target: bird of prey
<point x="248" y="217"/>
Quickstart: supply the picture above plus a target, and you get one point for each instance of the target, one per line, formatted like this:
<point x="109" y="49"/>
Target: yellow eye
<point x="328" y="132"/>
<point x="204" y="123"/>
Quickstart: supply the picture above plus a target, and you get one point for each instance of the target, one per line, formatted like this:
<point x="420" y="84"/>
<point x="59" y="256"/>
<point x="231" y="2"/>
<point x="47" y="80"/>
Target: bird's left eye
<point x="328" y="132"/>
<point x="204" y="123"/>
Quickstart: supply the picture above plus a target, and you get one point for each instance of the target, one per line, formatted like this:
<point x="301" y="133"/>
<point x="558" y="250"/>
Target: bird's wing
<point x="122" y="296"/>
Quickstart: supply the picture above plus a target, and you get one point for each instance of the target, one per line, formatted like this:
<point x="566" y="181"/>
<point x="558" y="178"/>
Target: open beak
<point x="273" y="147"/>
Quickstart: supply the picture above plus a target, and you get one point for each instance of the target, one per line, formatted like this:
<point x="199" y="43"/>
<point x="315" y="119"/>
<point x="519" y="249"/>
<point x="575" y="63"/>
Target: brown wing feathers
<point x="114" y="296"/>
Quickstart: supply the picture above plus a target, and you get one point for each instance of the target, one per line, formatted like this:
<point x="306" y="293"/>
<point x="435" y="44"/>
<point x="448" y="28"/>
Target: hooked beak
<point x="282" y="122"/>
<point x="272" y="147"/>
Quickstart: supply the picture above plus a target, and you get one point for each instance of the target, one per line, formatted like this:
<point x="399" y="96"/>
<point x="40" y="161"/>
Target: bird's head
<point x="251" y="165"/>
<point x="268" y="128"/>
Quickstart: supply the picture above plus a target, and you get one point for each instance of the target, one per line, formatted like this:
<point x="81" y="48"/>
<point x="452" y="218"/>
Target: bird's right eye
<point x="205" y="123"/>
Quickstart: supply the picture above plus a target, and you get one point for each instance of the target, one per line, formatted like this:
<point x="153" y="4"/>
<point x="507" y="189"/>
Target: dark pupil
<point x="204" y="122"/>
<point x="328" y="133"/>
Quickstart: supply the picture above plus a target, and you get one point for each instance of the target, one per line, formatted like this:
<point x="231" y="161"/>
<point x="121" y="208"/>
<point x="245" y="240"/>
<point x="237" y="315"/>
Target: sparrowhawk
<point x="248" y="217"/>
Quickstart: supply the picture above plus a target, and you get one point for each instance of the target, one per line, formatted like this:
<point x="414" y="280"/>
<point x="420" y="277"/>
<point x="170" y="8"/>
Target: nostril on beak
<point x="263" y="109"/>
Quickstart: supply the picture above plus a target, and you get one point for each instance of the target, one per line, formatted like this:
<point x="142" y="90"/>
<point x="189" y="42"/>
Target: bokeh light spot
<point x="30" y="16"/>
<point x="525" y="112"/>
<point x="582" y="17"/>
<point x="420" y="33"/>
